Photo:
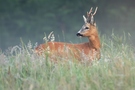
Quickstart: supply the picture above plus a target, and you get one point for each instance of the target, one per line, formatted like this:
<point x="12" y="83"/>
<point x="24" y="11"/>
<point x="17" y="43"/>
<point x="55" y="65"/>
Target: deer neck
<point x="94" y="41"/>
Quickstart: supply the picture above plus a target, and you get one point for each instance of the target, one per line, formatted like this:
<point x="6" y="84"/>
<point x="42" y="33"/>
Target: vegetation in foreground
<point x="21" y="69"/>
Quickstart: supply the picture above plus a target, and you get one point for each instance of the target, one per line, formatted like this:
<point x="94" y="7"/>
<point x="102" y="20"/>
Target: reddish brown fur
<point x="89" y="48"/>
<point x="83" y="51"/>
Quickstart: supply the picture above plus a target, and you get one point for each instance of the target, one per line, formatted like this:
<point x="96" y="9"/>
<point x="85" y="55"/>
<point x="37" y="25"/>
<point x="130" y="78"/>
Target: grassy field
<point x="21" y="69"/>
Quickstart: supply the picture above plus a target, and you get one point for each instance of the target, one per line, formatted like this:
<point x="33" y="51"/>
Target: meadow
<point x="22" y="69"/>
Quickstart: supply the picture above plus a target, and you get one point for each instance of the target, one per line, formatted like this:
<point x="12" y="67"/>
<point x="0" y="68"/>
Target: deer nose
<point x="78" y="34"/>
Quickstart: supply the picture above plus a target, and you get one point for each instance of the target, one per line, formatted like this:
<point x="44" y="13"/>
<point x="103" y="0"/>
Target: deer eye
<point x="86" y="27"/>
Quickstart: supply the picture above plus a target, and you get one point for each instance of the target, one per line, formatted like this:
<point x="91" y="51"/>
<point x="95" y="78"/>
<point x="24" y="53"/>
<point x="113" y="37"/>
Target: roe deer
<point x="83" y="51"/>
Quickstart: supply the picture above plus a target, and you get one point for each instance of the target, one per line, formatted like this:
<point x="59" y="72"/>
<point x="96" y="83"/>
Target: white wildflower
<point x="29" y="45"/>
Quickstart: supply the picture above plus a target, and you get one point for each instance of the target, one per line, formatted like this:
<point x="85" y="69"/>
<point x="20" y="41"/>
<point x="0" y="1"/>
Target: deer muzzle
<point x="78" y="34"/>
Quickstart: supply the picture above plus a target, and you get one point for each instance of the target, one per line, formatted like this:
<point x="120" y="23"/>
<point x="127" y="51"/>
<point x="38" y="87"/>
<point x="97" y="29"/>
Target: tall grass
<point x="21" y="69"/>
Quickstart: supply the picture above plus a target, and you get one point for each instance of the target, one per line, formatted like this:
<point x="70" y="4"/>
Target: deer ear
<point x="85" y="20"/>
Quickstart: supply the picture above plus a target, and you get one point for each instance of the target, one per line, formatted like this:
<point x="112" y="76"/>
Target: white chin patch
<point x="80" y="36"/>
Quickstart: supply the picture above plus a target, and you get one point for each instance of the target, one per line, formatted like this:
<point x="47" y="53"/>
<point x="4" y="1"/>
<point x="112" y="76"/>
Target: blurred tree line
<point x="29" y="19"/>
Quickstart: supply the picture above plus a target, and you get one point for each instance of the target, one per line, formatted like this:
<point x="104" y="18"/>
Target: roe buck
<point x="84" y="51"/>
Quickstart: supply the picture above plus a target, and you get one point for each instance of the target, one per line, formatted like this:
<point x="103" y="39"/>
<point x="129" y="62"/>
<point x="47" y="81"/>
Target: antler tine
<point x="89" y="13"/>
<point x="95" y="11"/>
<point x="90" y="10"/>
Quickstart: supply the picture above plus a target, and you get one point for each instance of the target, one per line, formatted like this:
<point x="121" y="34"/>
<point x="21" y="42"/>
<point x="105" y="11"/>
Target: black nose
<point x="78" y="34"/>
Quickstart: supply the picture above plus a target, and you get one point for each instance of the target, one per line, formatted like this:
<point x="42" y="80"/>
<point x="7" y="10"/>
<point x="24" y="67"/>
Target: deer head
<point x="89" y="24"/>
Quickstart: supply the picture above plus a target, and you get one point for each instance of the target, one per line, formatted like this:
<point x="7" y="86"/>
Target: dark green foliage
<point x="29" y="19"/>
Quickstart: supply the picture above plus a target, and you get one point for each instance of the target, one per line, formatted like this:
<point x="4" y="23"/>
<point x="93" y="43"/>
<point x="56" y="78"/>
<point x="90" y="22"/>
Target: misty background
<point x="29" y="20"/>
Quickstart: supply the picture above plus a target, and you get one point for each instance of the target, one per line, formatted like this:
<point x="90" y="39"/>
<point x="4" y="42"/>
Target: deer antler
<point x="90" y="10"/>
<point x="92" y="18"/>
<point x="88" y="13"/>
<point x="95" y="11"/>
